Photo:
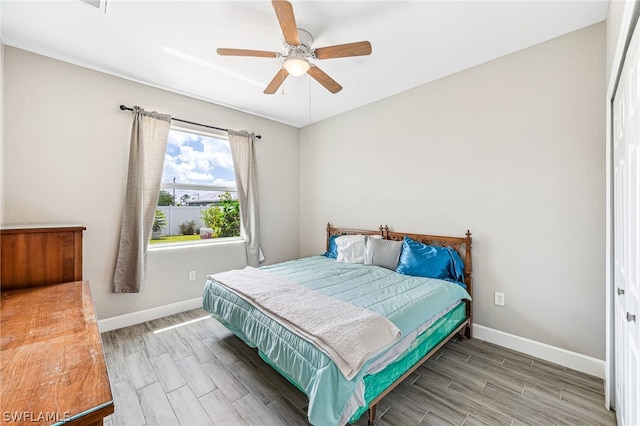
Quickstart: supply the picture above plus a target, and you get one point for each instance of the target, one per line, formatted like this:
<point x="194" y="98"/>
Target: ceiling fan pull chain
<point x="309" y="82"/>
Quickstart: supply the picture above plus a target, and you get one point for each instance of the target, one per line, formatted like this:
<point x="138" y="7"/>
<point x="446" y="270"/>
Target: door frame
<point x="628" y="21"/>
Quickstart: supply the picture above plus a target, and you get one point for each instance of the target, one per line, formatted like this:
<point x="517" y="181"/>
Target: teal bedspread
<point x="405" y="300"/>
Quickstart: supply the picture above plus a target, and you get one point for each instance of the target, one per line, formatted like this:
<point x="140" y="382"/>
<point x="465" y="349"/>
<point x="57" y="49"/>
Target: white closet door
<point x="626" y="205"/>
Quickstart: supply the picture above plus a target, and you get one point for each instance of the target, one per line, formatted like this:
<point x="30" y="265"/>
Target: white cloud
<point x="188" y="164"/>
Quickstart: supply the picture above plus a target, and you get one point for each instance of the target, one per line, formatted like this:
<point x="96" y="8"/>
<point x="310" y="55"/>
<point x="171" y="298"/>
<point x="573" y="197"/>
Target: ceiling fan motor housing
<point x="303" y="50"/>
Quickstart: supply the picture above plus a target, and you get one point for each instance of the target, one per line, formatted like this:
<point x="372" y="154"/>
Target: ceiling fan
<point x="297" y="51"/>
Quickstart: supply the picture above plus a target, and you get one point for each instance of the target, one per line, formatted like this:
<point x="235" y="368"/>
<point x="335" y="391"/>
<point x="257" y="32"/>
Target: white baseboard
<point x="139" y="317"/>
<point x="574" y="360"/>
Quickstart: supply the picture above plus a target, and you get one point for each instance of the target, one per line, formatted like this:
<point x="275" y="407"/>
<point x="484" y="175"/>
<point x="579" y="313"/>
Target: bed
<point x="422" y="313"/>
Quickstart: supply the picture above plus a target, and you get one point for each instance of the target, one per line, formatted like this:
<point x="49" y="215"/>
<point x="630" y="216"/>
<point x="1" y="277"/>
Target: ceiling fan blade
<point x="322" y="78"/>
<point x="246" y="52"/>
<point x="360" y="48"/>
<point x="284" y="13"/>
<point x="276" y="82"/>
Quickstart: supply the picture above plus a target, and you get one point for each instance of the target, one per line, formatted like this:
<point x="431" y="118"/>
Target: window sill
<point x="195" y="244"/>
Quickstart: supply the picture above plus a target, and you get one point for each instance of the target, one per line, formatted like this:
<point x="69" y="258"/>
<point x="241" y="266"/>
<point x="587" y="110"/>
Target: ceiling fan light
<point x="297" y="66"/>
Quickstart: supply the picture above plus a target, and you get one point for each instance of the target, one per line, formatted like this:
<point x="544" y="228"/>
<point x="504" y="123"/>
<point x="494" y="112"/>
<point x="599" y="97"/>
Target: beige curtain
<point x="244" y="163"/>
<point x="149" y="135"/>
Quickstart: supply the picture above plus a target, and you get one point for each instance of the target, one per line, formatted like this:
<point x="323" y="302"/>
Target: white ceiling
<point x="172" y="44"/>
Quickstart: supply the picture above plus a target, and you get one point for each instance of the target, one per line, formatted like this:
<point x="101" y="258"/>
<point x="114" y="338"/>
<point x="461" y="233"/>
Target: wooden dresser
<point x="52" y="366"/>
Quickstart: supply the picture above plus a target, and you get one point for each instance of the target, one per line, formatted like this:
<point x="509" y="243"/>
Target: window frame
<point x="220" y="135"/>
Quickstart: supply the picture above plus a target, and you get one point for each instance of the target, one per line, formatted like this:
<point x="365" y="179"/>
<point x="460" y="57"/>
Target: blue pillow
<point x="422" y="260"/>
<point x="332" y="253"/>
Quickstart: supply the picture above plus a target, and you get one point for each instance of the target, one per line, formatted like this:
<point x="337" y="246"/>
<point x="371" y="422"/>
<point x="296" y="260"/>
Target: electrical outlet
<point x="499" y="298"/>
<point x="192" y="275"/>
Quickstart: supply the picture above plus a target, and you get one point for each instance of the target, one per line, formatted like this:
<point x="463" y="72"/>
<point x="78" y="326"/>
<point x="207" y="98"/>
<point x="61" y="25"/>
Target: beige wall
<point x="1" y="122"/>
<point x="66" y="150"/>
<point x="1" y="132"/>
<point x="512" y="150"/>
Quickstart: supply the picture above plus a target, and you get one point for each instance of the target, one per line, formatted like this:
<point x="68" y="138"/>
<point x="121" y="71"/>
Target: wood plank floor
<point x="188" y="369"/>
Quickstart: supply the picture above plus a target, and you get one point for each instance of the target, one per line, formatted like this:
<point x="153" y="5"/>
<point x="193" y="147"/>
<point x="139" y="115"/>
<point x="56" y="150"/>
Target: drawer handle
<point x="631" y="317"/>
<point x="620" y="291"/>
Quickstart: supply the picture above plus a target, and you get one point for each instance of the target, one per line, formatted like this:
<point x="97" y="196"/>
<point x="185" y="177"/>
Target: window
<point x="198" y="198"/>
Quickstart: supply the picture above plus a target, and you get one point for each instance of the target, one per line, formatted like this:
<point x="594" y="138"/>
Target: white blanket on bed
<point x="348" y="334"/>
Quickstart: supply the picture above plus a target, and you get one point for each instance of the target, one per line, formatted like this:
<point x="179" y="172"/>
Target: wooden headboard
<point x="32" y="256"/>
<point x="346" y="231"/>
<point x="461" y="244"/>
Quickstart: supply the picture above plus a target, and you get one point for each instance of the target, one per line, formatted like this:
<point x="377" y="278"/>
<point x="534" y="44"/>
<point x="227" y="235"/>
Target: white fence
<point x="177" y="215"/>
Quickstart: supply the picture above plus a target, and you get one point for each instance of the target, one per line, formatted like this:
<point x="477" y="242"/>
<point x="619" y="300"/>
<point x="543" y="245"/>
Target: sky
<point x="197" y="159"/>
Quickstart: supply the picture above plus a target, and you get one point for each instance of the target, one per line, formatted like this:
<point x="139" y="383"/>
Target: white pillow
<point x="350" y="248"/>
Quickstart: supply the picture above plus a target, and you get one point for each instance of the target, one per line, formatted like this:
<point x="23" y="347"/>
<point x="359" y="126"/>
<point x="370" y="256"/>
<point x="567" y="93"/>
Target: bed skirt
<point x="377" y="383"/>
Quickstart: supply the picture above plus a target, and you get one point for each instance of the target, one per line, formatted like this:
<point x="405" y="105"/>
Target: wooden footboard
<point x="463" y="246"/>
<point x="373" y="405"/>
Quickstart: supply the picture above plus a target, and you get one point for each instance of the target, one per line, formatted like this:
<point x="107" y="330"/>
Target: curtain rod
<point x="126" y="108"/>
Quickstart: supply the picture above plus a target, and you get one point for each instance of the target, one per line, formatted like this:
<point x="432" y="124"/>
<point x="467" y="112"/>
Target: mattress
<point x="409" y="302"/>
